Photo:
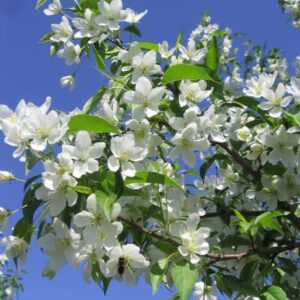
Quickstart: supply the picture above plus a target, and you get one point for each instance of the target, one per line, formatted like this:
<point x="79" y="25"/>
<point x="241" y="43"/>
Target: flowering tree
<point x="185" y="169"/>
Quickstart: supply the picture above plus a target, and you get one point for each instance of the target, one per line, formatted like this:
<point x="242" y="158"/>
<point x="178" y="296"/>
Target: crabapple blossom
<point x="193" y="239"/>
<point x="111" y="14"/>
<point x="53" y="8"/>
<point x="71" y="54"/>
<point x="205" y="292"/>
<point x="193" y="93"/>
<point x="255" y="86"/>
<point x="276" y="102"/>
<point x="98" y="230"/>
<point x="124" y="153"/>
<point x="282" y="143"/>
<point x="144" y="65"/>
<point x="131" y="259"/>
<point x="145" y="99"/>
<point x="63" y="31"/>
<point x="84" y="154"/>
<point x="61" y="244"/>
<point x="191" y="53"/>
<point x="14" y="247"/>
<point x="186" y="142"/>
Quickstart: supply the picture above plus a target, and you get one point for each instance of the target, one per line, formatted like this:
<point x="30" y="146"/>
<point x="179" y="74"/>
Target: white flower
<point x="57" y="173"/>
<point x="111" y="14"/>
<point x="164" y="50"/>
<point x="186" y="142"/>
<point x="88" y="27"/>
<point x="124" y="262"/>
<point x="41" y="128"/>
<point x="110" y="111"/>
<point x="3" y="219"/>
<point x="133" y="17"/>
<point x="98" y="230"/>
<point x="189" y="116"/>
<point x="205" y="292"/>
<point x="84" y="154"/>
<point x="15" y="247"/>
<point x="145" y="99"/>
<point x="282" y="143"/>
<point x="91" y="256"/>
<point x="63" y="31"/>
<point x="212" y="123"/>
<point x="256" y="85"/>
<point x="193" y="239"/>
<point x="68" y="81"/>
<point x="191" y="53"/>
<point x="53" y="8"/>
<point x="244" y="134"/>
<point x="257" y="151"/>
<point x="142" y="132"/>
<point x="58" y="199"/>
<point x="294" y="88"/>
<point x="276" y="101"/>
<point x="12" y="122"/>
<point x="6" y="176"/>
<point x="61" y="244"/>
<point x="70" y="54"/>
<point x="124" y="152"/>
<point x="144" y="64"/>
<point x="193" y="93"/>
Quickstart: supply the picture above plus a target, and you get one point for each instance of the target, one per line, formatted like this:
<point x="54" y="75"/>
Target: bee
<point x="121" y="265"/>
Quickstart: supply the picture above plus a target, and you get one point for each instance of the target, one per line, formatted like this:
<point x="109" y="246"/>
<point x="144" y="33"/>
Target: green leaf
<point x="212" y="56"/>
<point x="277" y="169"/>
<point x="91" y="124"/>
<point x="186" y="72"/>
<point x="185" y="275"/>
<point x="133" y="29"/>
<point x="99" y="60"/>
<point x="92" y="102"/>
<point x="151" y="177"/>
<point x="31" y="158"/>
<point x="30" y="181"/>
<point x="40" y="3"/>
<point x="106" y="201"/>
<point x="266" y="220"/>
<point x="251" y="103"/>
<point x="82" y="189"/>
<point x="294" y="114"/>
<point x="30" y="202"/>
<point x="249" y="270"/>
<point x="157" y="273"/>
<point x="24" y="230"/>
<point x="273" y="292"/>
<point x="204" y="168"/>
<point x="46" y="37"/>
<point x="178" y="39"/>
<point x="148" y="46"/>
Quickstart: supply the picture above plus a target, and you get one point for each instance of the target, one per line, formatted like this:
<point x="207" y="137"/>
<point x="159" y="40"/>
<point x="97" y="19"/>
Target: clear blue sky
<point x="27" y="72"/>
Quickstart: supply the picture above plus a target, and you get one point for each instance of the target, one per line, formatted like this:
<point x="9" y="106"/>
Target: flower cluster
<point x="121" y="192"/>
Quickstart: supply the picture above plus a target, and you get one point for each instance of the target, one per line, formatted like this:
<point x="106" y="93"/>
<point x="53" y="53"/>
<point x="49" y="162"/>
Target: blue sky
<point x="27" y="72"/>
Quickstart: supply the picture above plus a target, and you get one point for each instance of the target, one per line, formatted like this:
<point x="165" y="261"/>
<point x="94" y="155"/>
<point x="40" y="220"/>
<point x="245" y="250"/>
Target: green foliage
<point x="186" y="72"/>
<point x="91" y="124"/>
<point x="185" y="275"/>
<point x="273" y="293"/>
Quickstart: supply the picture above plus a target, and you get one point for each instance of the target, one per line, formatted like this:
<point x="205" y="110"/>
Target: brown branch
<point x="246" y="165"/>
<point x="215" y="256"/>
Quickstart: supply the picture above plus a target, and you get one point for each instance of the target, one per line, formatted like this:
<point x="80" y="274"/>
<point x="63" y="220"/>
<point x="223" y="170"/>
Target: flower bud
<point x="68" y="81"/>
<point x="6" y="176"/>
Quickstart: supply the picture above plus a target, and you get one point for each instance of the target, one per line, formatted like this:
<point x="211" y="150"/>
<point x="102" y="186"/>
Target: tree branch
<point x="215" y="256"/>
